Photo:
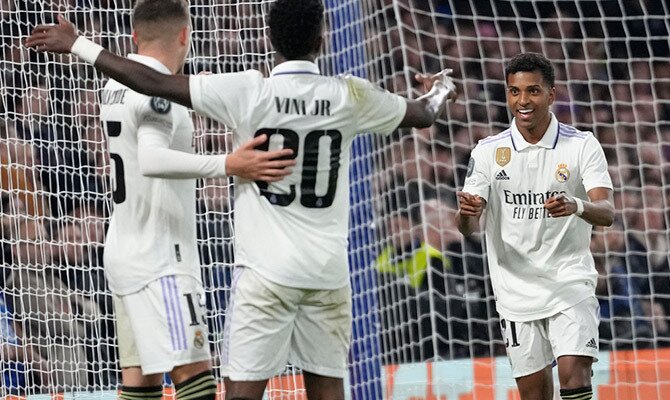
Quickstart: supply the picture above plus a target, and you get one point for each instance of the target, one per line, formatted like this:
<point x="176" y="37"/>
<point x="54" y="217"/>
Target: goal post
<point x="425" y="324"/>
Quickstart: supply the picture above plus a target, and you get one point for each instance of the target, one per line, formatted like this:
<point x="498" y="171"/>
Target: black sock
<point x="141" y="393"/>
<point x="198" y="387"/>
<point x="582" y="393"/>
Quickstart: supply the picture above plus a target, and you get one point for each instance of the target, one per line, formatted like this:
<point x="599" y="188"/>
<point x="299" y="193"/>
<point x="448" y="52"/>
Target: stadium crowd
<point x="435" y="299"/>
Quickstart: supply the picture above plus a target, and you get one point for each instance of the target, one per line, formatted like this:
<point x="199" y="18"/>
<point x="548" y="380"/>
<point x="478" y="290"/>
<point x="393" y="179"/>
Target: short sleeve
<point x="376" y="109"/>
<point x="224" y="97"/>
<point x="156" y="115"/>
<point x="477" y="178"/>
<point x="594" y="165"/>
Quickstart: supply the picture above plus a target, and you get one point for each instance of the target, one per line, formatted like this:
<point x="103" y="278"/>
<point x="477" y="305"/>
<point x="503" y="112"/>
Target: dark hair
<point x="295" y="27"/>
<point x="531" y="62"/>
<point x="160" y="10"/>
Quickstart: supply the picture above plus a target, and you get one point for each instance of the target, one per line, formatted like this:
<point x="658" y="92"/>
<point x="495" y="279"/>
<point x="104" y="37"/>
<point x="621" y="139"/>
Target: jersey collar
<point x="296" y="67"/>
<point x="548" y="141"/>
<point x="151" y="62"/>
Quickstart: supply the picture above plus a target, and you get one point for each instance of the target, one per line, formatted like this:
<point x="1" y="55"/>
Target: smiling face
<point x="529" y="98"/>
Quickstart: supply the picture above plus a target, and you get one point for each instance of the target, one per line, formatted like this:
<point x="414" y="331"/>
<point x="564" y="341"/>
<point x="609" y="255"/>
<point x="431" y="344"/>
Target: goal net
<point x="425" y="324"/>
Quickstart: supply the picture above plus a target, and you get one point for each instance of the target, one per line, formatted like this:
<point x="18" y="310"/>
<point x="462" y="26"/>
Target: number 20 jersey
<point x="152" y="230"/>
<point x="294" y="232"/>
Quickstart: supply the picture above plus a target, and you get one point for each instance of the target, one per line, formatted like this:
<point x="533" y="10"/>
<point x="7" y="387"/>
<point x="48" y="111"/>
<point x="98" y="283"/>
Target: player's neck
<point x="279" y="58"/>
<point x="166" y="58"/>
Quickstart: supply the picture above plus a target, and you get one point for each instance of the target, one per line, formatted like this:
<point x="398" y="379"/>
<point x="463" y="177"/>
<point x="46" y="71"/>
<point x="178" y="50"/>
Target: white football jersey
<point x="539" y="265"/>
<point x="294" y="232"/>
<point x="152" y="231"/>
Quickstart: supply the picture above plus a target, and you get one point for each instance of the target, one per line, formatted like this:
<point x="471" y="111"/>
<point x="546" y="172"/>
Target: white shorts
<point x="268" y="325"/>
<point x="162" y="325"/>
<point x="533" y="345"/>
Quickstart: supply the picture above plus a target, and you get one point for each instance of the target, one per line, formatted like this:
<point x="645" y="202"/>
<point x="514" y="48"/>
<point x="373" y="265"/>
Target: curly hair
<point x="151" y="11"/>
<point x="531" y="62"/>
<point x="296" y="27"/>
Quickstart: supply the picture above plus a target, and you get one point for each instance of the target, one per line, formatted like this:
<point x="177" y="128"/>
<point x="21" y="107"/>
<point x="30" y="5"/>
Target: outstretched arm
<point x="63" y="38"/>
<point x="157" y="160"/>
<point x="423" y="112"/>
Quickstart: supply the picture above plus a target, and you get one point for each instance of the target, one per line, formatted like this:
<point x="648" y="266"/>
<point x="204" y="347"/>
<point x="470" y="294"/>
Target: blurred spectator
<point x="621" y="302"/>
<point x="55" y="319"/>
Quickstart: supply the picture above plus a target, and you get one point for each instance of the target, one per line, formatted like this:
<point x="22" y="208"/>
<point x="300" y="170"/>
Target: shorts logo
<point x="562" y="173"/>
<point x="503" y="156"/>
<point x="592" y="344"/>
<point x="199" y="339"/>
<point x="160" y="105"/>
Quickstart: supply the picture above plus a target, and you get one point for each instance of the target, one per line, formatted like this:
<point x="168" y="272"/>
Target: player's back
<point x="152" y="229"/>
<point x="295" y="231"/>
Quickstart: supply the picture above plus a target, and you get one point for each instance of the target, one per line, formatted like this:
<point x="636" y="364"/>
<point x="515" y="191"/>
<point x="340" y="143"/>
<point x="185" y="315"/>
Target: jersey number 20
<point x="308" y="197"/>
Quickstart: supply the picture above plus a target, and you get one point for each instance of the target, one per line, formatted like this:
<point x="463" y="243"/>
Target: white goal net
<point x="425" y="324"/>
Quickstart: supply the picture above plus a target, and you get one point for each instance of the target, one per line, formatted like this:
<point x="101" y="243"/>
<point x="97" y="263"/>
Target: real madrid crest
<point x="199" y="339"/>
<point x="503" y="155"/>
<point x="562" y="173"/>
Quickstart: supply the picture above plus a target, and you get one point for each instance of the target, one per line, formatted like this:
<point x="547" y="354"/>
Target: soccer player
<point x="151" y="257"/>
<point x="291" y="297"/>
<point x="544" y="185"/>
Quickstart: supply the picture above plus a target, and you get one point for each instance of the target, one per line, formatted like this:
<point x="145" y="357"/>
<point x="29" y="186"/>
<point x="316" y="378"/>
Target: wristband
<point x="223" y="170"/>
<point x="86" y="50"/>
<point x="580" y="206"/>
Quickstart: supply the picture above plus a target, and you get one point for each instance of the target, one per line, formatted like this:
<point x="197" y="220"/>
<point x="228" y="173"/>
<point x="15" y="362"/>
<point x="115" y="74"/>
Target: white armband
<point x="580" y="206"/>
<point x="86" y="50"/>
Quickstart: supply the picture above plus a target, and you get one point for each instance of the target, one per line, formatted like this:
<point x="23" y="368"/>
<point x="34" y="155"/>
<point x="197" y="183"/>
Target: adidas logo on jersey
<point x="502" y="176"/>
<point x="592" y="343"/>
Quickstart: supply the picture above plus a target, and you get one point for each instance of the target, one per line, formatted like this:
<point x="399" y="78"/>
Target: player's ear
<point x="184" y="35"/>
<point x="552" y="95"/>
<point x="135" y="37"/>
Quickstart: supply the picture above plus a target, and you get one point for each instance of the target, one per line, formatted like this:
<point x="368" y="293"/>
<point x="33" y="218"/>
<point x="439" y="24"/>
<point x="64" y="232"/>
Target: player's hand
<point x="443" y="77"/>
<point x="57" y="38"/>
<point x="560" y="206"/>
<point x="255" y="165"/>
<point x="470" y="205"/>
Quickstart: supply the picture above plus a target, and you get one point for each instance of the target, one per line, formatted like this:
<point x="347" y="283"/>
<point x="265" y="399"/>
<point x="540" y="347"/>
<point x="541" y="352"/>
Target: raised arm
<point x="63" y="38"/>
<point x="423" y="112"/>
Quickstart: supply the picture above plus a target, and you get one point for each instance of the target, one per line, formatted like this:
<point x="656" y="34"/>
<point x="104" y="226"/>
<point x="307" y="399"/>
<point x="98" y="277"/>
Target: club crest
<point x="503" y="156"/>
<point x="562" y="173"/>
<point x="199" y="339"/>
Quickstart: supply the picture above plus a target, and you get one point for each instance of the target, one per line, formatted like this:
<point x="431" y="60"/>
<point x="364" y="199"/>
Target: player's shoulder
<point x="490" y="143"/>
<point x="566" y="131"/>
<point x="360" y="90"/>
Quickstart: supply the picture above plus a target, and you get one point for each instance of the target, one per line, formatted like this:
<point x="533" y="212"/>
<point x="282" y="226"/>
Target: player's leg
<point x="320" y="342"/>
<point x="536" y="386"/>
<point x="135" y="385"/>
<point x="257" y="333"/>
<point x="194" y="381"/>
<point x="170" y="332"/>
<point x="244" y="390"/>
<point x="574" y="336"/>
<point x="321" y="387"/>
<point x="529" y="351"/>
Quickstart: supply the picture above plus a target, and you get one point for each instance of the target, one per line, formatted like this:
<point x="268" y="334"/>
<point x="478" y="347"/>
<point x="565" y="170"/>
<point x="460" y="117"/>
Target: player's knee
<point x="141" y="393"/>
<point x="582" y="393"/>
<point x="199" y="387"/>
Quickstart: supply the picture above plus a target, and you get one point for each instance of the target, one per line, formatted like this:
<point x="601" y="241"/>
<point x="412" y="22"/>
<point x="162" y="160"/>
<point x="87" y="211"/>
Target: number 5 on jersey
<point x="113" y="129"/>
